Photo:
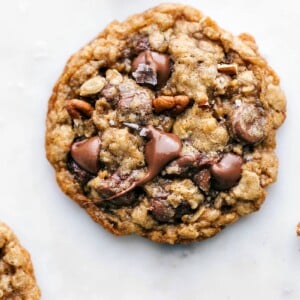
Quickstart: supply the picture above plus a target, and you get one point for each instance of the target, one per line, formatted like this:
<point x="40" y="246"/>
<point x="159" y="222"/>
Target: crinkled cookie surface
<point x="17" y="281"/>
<point x="165" y="126"/>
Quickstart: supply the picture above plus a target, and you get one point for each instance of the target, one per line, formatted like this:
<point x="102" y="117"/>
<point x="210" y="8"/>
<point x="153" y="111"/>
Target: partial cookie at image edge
<point x="17" y="280"/>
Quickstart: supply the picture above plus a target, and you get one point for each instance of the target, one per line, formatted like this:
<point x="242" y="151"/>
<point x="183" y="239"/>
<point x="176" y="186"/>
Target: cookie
<point x="17" y="281"/>
<point x="164" y="126"/>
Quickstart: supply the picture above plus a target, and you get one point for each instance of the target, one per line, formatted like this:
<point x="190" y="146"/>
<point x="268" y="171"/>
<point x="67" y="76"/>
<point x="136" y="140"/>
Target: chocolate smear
<point x="161" y="149"/>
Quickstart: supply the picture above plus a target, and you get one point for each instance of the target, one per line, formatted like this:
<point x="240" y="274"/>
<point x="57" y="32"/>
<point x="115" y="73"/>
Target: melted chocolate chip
<point x="161" y="149"/>
<point x="85" y="153"/>
<point x="82" y="176"/>
<point x="248" y="123"/>
<point x="152" y="68"/>
<point x="227" y="172"/>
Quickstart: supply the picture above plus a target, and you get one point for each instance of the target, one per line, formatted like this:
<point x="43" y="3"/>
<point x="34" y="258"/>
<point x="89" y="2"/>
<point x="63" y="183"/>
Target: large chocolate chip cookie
<point x="165" y="125"/>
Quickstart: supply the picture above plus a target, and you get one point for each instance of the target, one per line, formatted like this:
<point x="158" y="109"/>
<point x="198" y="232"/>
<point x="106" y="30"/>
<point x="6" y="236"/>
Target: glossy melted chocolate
<point x="160" y="150"/>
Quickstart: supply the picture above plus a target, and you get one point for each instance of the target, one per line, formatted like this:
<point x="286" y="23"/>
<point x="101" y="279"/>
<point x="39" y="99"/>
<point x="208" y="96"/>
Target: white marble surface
<point x="75" y="259"/>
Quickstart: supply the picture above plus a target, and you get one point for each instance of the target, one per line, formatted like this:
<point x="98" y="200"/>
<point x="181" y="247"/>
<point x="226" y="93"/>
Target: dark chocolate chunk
<point x="161" y="210"/>
<point x="202" y="179"/>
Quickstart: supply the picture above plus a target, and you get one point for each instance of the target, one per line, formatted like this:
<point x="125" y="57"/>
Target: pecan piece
<point x="77" y="108"/>
<point x="176" y="104"/>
